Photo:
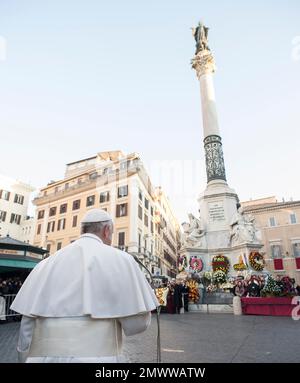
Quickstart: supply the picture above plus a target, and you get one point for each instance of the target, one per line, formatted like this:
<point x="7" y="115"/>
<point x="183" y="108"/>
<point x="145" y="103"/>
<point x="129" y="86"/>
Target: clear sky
<point x="79" y="77"/>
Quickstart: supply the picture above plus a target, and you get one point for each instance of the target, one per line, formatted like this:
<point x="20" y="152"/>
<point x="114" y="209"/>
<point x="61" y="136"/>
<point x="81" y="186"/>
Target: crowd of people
<point x="178" y="293"/>
<point x="253" y="286"/>
<point x="177" y="297"/>
<point x="9" y="287"/>
<point x="249" y="287"/>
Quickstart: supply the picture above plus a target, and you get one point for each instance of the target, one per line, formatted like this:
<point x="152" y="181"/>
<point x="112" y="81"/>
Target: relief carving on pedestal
<point x="194" y="233"/>
<point x="243" y="229"/>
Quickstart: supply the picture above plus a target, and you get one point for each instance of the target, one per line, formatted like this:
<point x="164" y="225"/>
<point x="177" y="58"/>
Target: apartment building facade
<point x="14" y="201"/>
<point x="112" y="181"/>
<point x="167" y="234"/>
<point x="279" y="223"/>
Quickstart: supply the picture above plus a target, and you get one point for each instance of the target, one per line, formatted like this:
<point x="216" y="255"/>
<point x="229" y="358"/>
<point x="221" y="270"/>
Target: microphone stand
<point x="158" y="357"/>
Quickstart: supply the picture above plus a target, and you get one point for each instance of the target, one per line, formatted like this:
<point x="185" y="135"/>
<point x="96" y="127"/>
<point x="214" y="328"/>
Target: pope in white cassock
<point x="76" y="302"/>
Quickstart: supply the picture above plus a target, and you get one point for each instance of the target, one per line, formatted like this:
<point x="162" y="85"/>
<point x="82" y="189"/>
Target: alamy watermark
<point x="3" y="48"/>
<point x="296" y="309"/>
<point x="296" y="48"/>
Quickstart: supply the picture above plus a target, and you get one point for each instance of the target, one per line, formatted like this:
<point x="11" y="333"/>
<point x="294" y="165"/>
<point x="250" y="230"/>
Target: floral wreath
<point x="220" y="263"/>
<point x="256" y="261"/>
<point x="196" y="264"/>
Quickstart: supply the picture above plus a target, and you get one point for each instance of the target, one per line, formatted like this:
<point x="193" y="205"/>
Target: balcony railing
<point x="142" y="253"/>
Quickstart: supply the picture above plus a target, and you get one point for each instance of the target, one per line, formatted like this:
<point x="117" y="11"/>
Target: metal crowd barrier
<point x="5" y="312"/>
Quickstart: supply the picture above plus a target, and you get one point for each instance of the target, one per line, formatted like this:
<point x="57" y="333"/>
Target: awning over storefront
<point x="21" y="264"/>
<point x="16" y="255"/>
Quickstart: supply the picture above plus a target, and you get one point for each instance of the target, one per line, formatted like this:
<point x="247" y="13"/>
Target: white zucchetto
<point x="96" y="215"/>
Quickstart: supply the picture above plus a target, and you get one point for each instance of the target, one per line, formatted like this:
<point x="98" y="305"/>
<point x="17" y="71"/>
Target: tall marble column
<point x="204" y="64"/>
<point x="218" y="201"/>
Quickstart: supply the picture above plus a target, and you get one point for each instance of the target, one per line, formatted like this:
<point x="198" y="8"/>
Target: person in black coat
<point x="253" y="289"/>
<point x="185" y="293"/>
<point x="178" y="297"/>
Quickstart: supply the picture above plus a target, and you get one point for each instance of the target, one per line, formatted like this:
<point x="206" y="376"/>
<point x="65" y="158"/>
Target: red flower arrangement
<point x="196" y="264"/>
<point x="220" y="263"/>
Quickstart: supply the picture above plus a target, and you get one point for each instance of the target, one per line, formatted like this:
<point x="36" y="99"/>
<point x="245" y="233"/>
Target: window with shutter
<point x="278" y="264"/>
<point x="121" y="239"/>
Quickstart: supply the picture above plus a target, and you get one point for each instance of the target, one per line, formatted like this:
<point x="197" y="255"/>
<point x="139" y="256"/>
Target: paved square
<point x="203" y="338"/>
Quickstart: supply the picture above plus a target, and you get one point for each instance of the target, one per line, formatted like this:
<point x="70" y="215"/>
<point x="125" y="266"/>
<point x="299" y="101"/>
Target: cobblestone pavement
<point x="197" y="337"/>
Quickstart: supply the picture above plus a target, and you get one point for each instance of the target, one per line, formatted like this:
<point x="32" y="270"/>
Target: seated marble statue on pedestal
<point x="194" y="233"/>
<point x="242" y="228"/>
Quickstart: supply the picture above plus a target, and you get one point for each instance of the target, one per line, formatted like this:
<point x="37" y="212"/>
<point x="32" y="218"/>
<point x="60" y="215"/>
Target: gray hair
<point x="94" y="227"/>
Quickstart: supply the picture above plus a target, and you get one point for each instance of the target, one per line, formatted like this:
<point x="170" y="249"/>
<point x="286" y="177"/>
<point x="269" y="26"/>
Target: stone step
<point x="211" y="308"/>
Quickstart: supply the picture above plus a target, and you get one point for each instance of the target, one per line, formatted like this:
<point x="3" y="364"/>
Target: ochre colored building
<point x="118" y="183"/>
<point x="279" y="223"/>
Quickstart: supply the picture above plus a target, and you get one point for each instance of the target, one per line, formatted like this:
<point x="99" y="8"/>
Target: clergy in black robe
<point x="178" y="297"/>
<point x="185" y="292"/>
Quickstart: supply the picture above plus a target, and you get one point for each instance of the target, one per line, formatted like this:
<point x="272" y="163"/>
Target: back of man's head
<point x="98" y="222"/>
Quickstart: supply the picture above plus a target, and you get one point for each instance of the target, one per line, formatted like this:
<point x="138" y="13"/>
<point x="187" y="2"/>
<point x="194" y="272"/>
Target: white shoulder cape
<point x="86" y="277"/>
